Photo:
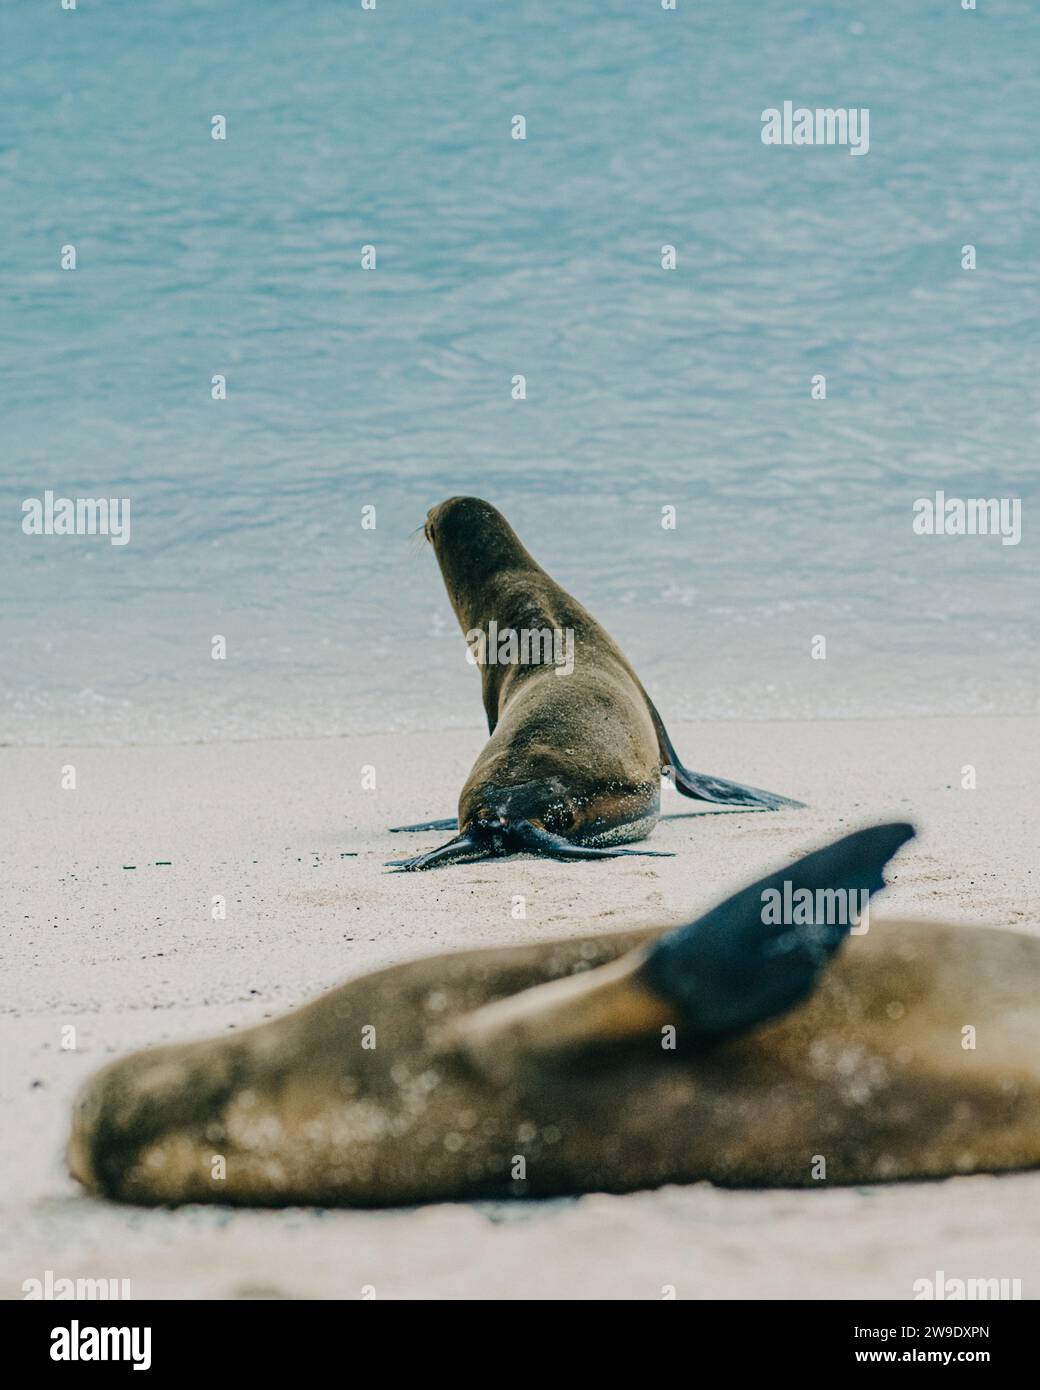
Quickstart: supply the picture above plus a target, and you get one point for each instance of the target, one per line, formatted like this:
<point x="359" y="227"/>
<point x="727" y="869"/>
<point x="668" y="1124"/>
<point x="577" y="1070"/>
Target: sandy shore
<point x="130" y="956"/>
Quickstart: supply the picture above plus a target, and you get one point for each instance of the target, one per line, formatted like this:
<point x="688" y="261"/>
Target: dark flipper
<point x="723" y="974"/>
<point x="463" y="847"/>
<point x="736" y="967"/>
<point x="488" y="842"/>
<point x="524" y="835"/>
<point x="703" y="787"/>
<point x="451" y="823"/>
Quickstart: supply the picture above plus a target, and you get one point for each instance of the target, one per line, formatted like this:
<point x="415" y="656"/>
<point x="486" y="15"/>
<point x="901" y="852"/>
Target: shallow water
<point x="646" y="388"/>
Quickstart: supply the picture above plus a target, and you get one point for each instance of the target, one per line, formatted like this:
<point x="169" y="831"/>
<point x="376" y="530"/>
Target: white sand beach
<point x="129" y="956"/>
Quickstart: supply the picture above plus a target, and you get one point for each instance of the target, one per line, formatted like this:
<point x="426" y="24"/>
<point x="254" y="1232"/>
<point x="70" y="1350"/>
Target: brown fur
<point x="590" y="733"/>
<point x="870" y="1074"/>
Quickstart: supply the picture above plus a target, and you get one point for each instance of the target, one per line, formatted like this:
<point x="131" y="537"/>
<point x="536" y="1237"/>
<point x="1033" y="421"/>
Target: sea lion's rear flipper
<point x="485" y="842"/>
<point x="728" y="971"/>
<point x="450" y="823"/>
<point x="703" y="787"/>
<point x="523" y="835"/>
<point x="466" y="846"/>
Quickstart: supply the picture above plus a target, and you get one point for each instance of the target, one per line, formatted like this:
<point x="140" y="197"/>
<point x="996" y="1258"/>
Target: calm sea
<point x="646" y="388"/>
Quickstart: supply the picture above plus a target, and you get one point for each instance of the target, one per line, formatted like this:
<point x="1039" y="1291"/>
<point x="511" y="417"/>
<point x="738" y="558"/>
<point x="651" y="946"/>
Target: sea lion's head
<point x="474" y="544"/>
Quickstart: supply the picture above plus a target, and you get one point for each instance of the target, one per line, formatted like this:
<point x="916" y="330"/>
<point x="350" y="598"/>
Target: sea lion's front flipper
<point x="469" y="845"/>
<point x="593" y="1008"/>
<point x="523" y="835"/>
<point x="725" y="973"/>
<point x="450" y="823"/>
<point x="759" y="953"/>
<point x="703" y="787"/>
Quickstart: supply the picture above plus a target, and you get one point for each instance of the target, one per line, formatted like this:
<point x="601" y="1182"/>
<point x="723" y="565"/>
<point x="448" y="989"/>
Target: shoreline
<point x="477" y="726"/>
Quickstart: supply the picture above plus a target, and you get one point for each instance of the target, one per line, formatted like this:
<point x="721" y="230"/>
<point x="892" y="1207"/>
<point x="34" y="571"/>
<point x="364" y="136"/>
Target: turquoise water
<point x="646" y="388"/>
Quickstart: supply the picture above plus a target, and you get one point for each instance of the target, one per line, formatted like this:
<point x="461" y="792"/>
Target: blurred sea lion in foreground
<point x="739" y="1049"/>
<point x="573" y="765"/>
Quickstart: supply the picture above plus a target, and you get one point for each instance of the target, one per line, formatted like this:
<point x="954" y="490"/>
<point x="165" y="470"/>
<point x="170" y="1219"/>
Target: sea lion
<point x="573" y="765"/>
<point x="737" y="1049"/>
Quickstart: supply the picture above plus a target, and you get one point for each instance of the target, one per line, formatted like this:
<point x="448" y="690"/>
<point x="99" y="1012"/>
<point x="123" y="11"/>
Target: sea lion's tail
<point x="518" y="837"/>
<point x="739" y="965"/>
<point x="719" y="790"/>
